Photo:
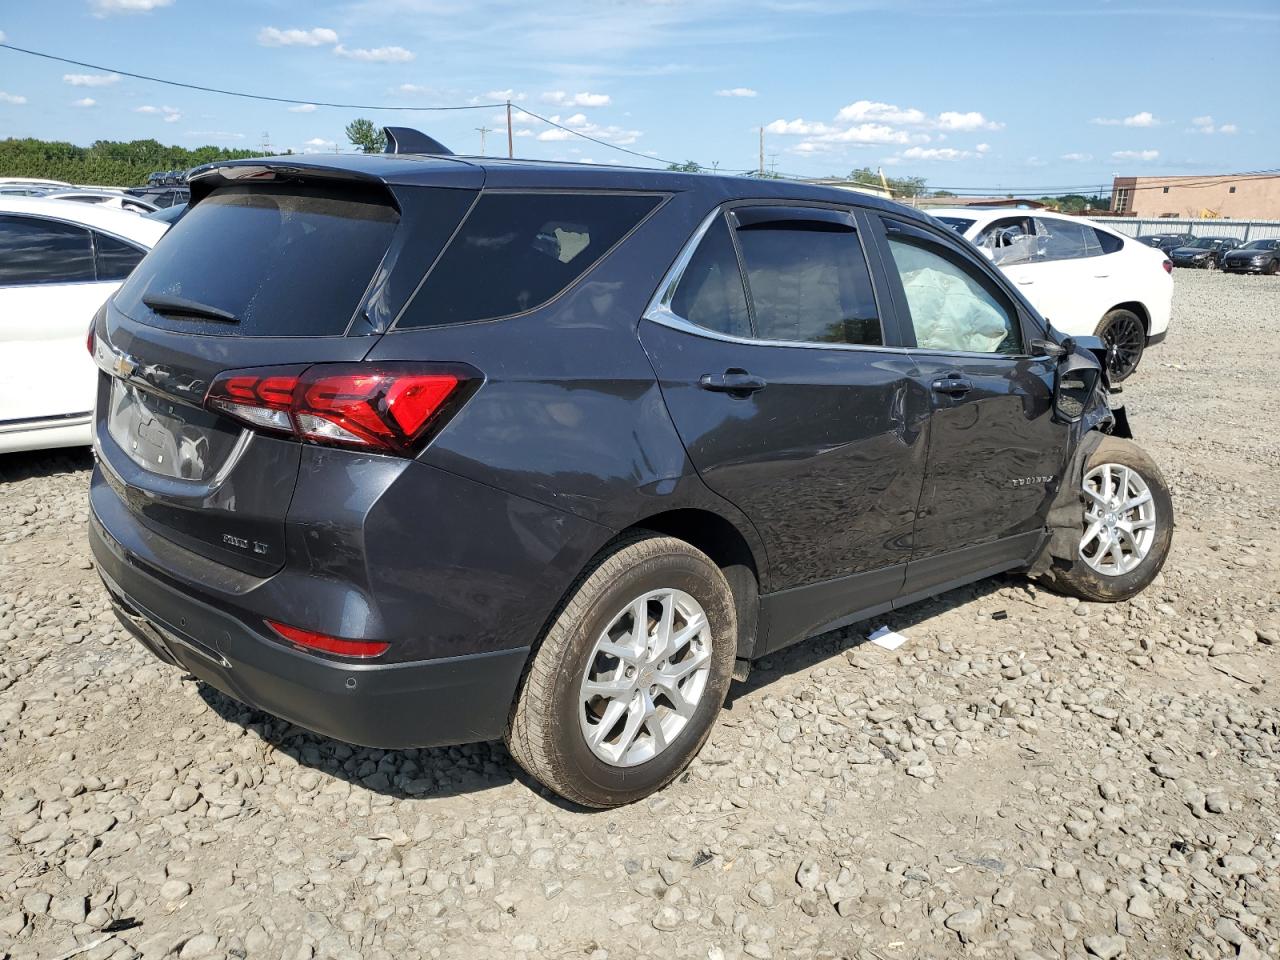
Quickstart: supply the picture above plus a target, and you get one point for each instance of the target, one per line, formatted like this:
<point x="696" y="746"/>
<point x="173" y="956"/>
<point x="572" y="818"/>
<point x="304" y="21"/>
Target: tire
<point x="1273" y="268"/>
<point x="1086" y="581"/>
<point x="1126" y="337"/>
<point x="550" y="721"/>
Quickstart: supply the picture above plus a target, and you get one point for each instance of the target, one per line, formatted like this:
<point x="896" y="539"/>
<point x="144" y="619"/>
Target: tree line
<point x="108" y="162"/>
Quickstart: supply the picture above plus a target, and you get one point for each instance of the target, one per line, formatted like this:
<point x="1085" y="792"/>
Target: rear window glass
<point x="285" y="260"/>
<point x="516" y="251"/>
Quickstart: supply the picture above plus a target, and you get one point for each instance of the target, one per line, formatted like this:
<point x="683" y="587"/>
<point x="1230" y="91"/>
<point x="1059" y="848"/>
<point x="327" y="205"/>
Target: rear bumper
<point x="448" y="700"/>
<point x="72" y="431"/>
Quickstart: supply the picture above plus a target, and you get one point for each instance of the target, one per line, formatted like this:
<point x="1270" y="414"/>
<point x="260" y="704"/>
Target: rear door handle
<point x="1025" y="283"/>
<point x="952" y="386"/>
<point x="733" y="382"/>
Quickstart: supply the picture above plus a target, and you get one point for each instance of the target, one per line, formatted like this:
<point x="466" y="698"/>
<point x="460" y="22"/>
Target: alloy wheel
<point x="1124" y="337"/>
<point x="1119" y="519"/>
<point x="645" y="677"/>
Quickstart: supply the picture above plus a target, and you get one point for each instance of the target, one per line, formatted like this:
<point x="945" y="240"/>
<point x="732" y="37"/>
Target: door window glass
<point x="116" y="259"/>
<point x="34" y="250"/>
<point x="1066" y="239"/>
<point x="951" y="309"/>
<point x="1009" y="240"/>
<point x="809" y="282"/>
<point x="710" y="292"/>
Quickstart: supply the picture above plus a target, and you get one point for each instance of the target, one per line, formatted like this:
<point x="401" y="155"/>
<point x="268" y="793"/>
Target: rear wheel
<point x="1273" y="267"/>
<point x="1125" y="336"/>
<point x="1126" y="526"/>
<point x="627" y="683"/>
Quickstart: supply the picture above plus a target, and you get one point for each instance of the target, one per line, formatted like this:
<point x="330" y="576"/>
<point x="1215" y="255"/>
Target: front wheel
<point x="1126" y="337"/>
<point x="1126" y="525"/>
<point x="629" y="679"/>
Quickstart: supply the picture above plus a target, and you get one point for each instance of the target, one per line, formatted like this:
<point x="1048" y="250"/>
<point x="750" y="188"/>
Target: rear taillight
<point x="310" y="640"/>
<point x="387" y="407"/>
<point x="1168" y="266"/>
<point x="92" y="336"/>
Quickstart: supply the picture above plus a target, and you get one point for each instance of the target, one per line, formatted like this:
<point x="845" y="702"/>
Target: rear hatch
<point x="275" y="266"/>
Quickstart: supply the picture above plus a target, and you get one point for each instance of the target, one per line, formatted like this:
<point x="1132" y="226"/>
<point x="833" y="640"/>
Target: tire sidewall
<point x="615" y="785"/>
<point x="1112" y="317"/>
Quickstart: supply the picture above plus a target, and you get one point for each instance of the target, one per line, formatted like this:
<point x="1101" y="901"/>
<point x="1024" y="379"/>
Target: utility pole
<point x="762" y="151"/>
<point x="482" y="131"/>
<point x="511" y="151"/>
<point x="773" y="164"/>
<point x="266" y="142"/>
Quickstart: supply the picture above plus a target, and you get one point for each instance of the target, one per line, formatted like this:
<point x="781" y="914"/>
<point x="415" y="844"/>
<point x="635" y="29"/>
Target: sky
<point x="975" y="94"/>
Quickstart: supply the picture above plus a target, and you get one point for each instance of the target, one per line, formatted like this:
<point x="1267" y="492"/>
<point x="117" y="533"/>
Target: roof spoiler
<point x="409" y="140"/>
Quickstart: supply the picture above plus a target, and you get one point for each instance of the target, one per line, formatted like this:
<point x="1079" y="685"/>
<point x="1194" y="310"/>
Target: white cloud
<point x="1143" y="119"/>
<point x="936" y="153"/>
<point x="505" y="95"/>
<point x="105" y="8"/>
<point x="973" y="120"/>
<point x="580" y="124"/>
<point x="1205" y="125"/>
<point x="319" y="145"/>
<point x="296" y="37"/>
<point x="304" y="108"/>
<point x="170" y="114"/>
<point x="736" y="92"/>
<point x="3" y="38"/>
<point x="1143" y="155"/>
<point x="983" y="148"/>
<point x="562" y="99"/>
<point x="799" y="127"/>
<point x="90" y="79"/>
<point x="872" y="110"/>
<point x="412" y="89"/>
<point x="14" y="98"/>
<point x="85" y="102"/>
<point x="1077" y="157"/>
<point x="523" y="132"/>
<point x="872" y="133"/>
<point x="375" y="54"/>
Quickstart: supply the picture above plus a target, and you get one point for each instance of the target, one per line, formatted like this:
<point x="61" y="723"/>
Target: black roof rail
<point x="409" y="140"/>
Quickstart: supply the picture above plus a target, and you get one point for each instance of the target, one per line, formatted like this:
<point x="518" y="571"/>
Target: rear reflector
<point x="310" y="640"/>
<point x="1168" y="266"/>
<point x="388" y="407"/>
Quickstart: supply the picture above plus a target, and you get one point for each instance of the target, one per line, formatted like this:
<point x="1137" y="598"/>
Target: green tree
<point x="689" y="166"/>
<point x="363" y="134"/>
<point x="901" y="186"/>
<point x="105" y="162"/>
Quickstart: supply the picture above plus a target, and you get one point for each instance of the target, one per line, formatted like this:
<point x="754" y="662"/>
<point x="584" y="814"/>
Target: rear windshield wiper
<point x="182" y="307"/>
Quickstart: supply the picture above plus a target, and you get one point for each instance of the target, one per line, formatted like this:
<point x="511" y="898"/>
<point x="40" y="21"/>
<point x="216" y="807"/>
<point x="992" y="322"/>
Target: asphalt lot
<point x="1073" y="781"/>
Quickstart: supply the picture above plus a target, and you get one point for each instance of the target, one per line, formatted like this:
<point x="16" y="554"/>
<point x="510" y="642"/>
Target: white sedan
<point x="1082" y="277"/>
<point x="59" y="262"/>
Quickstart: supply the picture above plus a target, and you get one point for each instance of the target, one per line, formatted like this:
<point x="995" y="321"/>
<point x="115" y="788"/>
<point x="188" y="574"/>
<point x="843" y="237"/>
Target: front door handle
<point x="1025" y="283"/>
<point x="952" y="386"/>
<point x="733" y="382"/>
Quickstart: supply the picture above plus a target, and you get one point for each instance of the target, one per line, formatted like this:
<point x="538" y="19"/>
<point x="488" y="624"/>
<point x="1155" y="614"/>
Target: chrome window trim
<point x="659" y="309"/>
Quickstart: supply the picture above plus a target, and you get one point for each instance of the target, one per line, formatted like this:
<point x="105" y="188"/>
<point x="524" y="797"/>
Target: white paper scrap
<point x="884" y="637"/>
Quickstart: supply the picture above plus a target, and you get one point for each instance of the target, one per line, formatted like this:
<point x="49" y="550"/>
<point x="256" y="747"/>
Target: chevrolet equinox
<point x="412" y="449"/>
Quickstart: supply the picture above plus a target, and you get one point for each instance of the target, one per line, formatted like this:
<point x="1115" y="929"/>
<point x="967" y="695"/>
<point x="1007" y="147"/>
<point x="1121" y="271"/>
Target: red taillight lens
<point x="1168" y="266"/>
<point x="391" y="408"/>
<point x="310" y="640"/>
<point x="89" y="340"/>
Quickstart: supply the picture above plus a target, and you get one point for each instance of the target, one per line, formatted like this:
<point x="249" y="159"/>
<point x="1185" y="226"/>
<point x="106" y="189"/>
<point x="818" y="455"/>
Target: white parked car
<point x="115" y="199"/>
<point x="1082" y="277"/>
<point x="59" y="262"/>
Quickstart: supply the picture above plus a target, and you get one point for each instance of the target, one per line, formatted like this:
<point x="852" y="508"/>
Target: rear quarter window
<point x="517" y="251"/>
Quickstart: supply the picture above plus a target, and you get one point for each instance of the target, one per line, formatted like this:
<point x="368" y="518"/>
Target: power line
<point x="579" y="133"/>
<point x="237" y="93"/>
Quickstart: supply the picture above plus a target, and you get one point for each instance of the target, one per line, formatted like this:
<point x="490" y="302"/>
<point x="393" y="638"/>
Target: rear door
<point x="790" y="406"/>
<point x="995" y="452"/>
<point x="257" y="274"/>
<point x="49" y="291"/>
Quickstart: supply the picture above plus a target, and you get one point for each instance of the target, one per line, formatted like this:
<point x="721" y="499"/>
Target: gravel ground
<point x="1072" y="781"/>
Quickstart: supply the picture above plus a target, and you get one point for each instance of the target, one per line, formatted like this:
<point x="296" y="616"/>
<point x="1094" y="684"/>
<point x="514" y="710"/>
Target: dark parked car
<point x="164" y="196"/>
<point x="1166" y="243"/>
<point x="417" y="450"/>
<point x="1256" y="256"/>
<point x="1204" y="252"/>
